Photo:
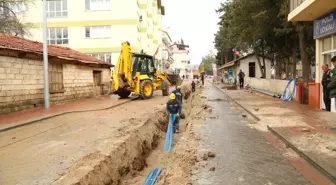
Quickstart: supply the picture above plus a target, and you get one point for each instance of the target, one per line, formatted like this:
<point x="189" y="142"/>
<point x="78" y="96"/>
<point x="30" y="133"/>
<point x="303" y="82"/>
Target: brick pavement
<point x="243" y="155"/>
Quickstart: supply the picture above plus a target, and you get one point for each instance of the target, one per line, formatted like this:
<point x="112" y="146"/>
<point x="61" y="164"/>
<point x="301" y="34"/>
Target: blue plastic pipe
<point x="169" y="135"/>
<point x="267" y="93"/>
<point x="152" y="176"/>
<point x="289" y="98"/>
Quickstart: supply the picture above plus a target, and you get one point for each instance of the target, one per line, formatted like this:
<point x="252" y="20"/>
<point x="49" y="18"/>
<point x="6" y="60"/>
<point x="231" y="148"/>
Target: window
<point x="57" y="8"/>
<point x="56" y="78"/>
<point x="97" y="4"/>
<point x="98" y="32"/>
<point x="58" y="36"/>
<point x="103" y="56"/>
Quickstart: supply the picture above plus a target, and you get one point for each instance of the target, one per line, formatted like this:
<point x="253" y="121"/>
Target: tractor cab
<point x="144" y="64"/>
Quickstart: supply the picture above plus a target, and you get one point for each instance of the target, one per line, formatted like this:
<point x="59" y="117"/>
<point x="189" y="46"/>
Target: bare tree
<point x="11" y="14"/>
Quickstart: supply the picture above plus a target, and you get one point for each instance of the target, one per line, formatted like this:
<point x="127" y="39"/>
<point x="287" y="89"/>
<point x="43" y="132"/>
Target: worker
<point x="178" y="94"/>
<point x="332" y="84"/>
<point x="193" y="86"/>
<point x="202" y="78"/>
<point x="325" y="81"/>
<point x="241" y="76"/>
<point x="174" y="107"/>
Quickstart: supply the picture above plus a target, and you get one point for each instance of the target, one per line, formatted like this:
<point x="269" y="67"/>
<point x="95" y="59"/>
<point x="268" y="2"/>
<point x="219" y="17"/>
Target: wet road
<point x="243" y="155"/>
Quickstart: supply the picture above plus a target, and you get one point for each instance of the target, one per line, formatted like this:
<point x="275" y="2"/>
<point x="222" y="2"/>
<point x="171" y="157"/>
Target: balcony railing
<point x="294" y="4"/>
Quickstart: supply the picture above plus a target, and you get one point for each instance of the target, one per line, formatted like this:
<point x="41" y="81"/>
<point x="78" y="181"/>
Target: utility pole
<point x="45" y="56"/>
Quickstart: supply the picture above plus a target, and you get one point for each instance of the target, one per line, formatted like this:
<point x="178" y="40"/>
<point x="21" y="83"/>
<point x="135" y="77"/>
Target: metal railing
<point x="294" y="4"/>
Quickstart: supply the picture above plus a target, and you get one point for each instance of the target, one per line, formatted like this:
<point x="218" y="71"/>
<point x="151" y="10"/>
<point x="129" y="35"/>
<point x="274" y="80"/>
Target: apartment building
<point x="167" y="55"/>
<point x="98" y="27"/>
<point x="323" y="13"/>
<point x="181" y="59"/>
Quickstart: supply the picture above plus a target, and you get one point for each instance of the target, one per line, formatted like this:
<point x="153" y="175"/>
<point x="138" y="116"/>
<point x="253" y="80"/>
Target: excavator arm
<point x="122" y="73"/>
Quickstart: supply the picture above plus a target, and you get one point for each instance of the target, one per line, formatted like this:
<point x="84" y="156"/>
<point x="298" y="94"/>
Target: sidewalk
<point x="18" y="119"/>
<point x="308" y="131"/>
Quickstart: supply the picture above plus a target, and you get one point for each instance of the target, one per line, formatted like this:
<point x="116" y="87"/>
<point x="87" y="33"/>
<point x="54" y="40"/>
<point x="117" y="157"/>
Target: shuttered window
<point x="56" y="78"/>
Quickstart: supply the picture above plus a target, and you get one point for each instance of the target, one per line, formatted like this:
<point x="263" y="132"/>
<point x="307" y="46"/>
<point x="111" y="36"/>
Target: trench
<point x="135" y="155"/>
<point x="159" y="158"/>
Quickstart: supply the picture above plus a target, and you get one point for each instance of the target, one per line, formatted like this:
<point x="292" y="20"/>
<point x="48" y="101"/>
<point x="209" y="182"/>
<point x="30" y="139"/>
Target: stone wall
<point x="21" y="83"/>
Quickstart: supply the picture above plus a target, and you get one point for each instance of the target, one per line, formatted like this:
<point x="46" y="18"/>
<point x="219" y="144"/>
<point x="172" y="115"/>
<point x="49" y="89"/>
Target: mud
<point x="127" y="157"/>
<point x="177" y="164"/>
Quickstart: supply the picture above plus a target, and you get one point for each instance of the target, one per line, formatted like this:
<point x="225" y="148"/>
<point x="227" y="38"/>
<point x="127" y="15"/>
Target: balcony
<point x="309" y="10"/>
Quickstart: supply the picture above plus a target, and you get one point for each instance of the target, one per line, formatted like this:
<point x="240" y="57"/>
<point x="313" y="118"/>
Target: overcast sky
<point x="193" y="20"/>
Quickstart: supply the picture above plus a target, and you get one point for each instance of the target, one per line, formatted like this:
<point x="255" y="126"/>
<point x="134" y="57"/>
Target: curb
<point x="301" y="154"/>
<point x="241" y="106"/>
<point x="60" y="114"/>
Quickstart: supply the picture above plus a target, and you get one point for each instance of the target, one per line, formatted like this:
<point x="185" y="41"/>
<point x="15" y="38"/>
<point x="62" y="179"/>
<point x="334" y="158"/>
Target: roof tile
<point x="65" y="53"/>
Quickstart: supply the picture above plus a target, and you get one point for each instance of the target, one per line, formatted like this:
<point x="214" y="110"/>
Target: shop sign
<point x="325" y="25"/>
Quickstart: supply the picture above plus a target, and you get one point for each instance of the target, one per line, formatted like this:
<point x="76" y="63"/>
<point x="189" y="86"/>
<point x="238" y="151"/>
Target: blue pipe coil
<point x="289" y="98"/>
<point x="169" y="135"/>
<point x="152" y="176"/>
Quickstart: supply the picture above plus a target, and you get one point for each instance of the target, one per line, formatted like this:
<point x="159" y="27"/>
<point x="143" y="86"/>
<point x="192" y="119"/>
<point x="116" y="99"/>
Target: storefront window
<point x="326" y="44"/>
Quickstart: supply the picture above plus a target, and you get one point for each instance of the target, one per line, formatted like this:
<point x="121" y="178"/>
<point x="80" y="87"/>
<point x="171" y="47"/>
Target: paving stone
<point x="243" y="155"/>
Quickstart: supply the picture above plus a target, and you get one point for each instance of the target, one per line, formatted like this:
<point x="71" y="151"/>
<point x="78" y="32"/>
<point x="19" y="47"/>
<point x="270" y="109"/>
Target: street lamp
<point x="45" y="56"/>
<point x="140" y="20"/>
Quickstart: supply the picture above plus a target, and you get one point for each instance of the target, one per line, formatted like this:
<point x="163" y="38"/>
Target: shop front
<point x="325" y="35"/>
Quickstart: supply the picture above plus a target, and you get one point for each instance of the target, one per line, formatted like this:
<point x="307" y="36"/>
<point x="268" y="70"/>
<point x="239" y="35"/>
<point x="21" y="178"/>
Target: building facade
<point x="167" y="55"/>
<point x="72" y="75"/>
<point x="323" y="13"/>
<point x="248" y="64"/>
<point x="98" y="27"/>
<point x="181" y="60"/>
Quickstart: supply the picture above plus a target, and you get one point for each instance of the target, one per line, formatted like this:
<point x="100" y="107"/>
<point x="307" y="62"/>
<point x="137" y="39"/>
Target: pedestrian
<point x="183" y="77"/>
<point x="332" y="84"/>
<point x="241" y="76"/>
<point x="193" y="86"/>
<point x="202" y="78"/>
<point x="325" y="81"/>
<point x="174" y="107"/>
<point x="178" y="94"/>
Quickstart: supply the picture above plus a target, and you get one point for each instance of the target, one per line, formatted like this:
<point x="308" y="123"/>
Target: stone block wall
<point x="21" y="83"/>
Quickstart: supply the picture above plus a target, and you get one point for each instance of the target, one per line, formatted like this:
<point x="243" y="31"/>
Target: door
<point x="252" y="70"/>
<point x="97" y="83"/>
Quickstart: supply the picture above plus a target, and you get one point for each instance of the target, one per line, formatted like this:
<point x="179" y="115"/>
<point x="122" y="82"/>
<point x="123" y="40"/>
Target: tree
<point x="11" y="13"/>
<point x="261" y="26"/>
<point x="208" y="60"/>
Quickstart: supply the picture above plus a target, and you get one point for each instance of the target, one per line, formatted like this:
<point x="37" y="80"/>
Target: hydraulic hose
<point x="290" y="96"/>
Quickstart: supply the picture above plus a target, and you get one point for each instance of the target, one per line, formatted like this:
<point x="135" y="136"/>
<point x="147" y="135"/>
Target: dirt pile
<point x="127" y="157"/>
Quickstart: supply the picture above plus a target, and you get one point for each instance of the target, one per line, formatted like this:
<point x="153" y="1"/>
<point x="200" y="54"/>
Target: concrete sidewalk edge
<point x="21" y="124"/>
<point x="303" y="155"/>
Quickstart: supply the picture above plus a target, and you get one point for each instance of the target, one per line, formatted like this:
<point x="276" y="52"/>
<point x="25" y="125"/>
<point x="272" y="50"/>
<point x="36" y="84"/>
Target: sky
<point x="194" y="21"/>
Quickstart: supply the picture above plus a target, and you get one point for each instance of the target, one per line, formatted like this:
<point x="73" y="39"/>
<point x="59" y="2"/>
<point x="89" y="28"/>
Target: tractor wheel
<point x="124" y="94"/>
<point x="146" y="89"/>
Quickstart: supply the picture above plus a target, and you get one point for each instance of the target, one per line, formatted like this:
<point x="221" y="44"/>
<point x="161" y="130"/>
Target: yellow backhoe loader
<point x="135" y="73"/>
